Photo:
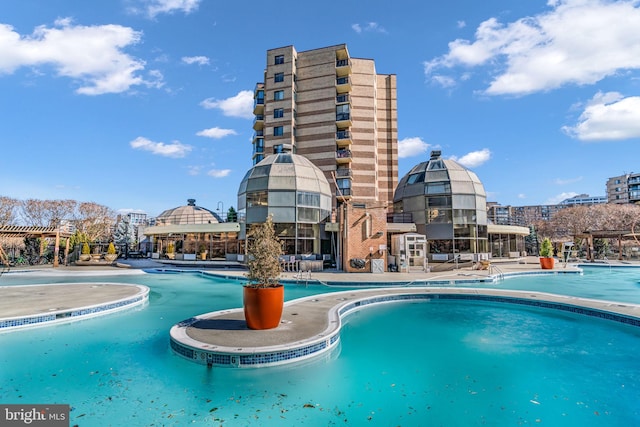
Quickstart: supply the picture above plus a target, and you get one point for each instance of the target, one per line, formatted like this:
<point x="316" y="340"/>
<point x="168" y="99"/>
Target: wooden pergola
<point x="22" y="231"/>
<point x="606" y="234"/>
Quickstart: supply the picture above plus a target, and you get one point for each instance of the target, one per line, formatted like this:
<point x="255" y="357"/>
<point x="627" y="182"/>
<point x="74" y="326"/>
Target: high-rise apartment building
<point x="337" y="112"/>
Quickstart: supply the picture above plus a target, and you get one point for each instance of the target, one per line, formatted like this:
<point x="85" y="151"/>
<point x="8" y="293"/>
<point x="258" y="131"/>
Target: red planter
<point x="547" y="263"/>
<point x="263" y="306"/>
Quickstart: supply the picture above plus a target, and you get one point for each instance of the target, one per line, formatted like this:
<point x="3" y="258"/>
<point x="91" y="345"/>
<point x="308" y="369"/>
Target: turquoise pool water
<point x="410" y="364"/>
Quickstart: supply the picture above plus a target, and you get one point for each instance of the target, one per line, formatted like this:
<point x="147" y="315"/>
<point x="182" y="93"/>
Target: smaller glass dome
<point x="189" y="214"/>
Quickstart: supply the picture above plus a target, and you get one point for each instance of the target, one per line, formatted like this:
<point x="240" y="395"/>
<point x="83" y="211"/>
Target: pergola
<point x="606" y="234"/>
<point x="22" y="231"/>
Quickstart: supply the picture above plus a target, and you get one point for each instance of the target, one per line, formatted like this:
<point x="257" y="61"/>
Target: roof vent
<point x="435" y="154"/>
<point x="191" y="202"/>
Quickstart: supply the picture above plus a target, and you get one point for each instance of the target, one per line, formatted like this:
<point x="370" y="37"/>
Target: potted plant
<point x="171" y="251"/>
<point x="111" y="253"/>
<point x="546" y="254"/>
<point x="85" y="253"/>
<point x="263" y="295"/>
<point x="203" y="252"/>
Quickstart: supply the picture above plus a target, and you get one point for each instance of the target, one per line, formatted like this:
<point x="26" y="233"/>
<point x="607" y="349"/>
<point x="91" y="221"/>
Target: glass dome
<point x="448" y="204"/>
<point x="189" y="214"/>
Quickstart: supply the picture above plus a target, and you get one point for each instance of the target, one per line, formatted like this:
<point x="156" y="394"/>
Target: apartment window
<point x="278" y="113"/>
<point x="342" y="112"/>
<point x="278" y="95"/>
<point x="278" y="77"/>
<point x="279" y="59"/>
<point x="278" y="131"/>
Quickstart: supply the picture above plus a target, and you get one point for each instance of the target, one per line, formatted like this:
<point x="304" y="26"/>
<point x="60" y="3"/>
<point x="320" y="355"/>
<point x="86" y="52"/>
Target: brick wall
<point x="366" y="231"/>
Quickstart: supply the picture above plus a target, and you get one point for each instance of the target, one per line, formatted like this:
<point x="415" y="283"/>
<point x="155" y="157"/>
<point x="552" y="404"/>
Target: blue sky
<point x="142" y="104"/>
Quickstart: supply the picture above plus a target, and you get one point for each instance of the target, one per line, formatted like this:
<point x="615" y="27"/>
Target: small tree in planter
<point x="171" y="251"/>
<point x="203" y="252"/>
<point x="85" y="252"/>
<point x="111" y="253"/>
<point x="264" y="294"/>
<point x="546" y="254"/>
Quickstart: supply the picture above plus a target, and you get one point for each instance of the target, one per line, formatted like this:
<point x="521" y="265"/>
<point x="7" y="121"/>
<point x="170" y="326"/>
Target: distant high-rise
<point x="337" y="112"/>
<point x="624" y="188"/>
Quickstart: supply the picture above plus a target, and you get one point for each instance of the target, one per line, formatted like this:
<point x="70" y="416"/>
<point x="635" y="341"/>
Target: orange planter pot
<point x="547" y="263"/>
<point x="263" y="306"/>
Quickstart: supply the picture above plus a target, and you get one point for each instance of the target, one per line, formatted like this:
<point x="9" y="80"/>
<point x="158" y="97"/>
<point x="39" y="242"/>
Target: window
<point x="278" y="131"/>
<point x="278" y="113"/>
<point x="278" y="95"/>
<point x="279" y="59"/>
<point x="278" y="77"/>
<point x="342" y="112"/>
<point x="256" y="198"/>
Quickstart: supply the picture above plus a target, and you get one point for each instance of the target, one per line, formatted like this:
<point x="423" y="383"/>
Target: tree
<point x="232" y="215"/>
<point x="8" y="208"/>
<point x="94" y="220"/>
<point x="263" y="250"/>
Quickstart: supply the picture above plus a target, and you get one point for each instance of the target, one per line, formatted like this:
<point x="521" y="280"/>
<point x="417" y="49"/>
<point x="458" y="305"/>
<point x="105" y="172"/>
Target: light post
<point x="221" y="209"/>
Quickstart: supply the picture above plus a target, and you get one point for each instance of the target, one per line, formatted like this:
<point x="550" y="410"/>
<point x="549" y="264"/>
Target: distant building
<point x="624" y="188"/>
<point x="583" y="199"/>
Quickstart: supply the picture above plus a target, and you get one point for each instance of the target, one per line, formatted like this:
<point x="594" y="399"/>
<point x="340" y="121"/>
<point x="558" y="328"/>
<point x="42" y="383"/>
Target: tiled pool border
<point x="189" y="349"/>
<point x="10" y="324"/>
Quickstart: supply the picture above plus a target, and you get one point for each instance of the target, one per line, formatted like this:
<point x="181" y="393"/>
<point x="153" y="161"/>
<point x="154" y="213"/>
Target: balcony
<point x="343" y="84"/>
<point x="343" y="193"/>
<point x="344" y="173"/>
<point x="343" y="120"/>
<point x="343" y="67"/>
<point x="258" y="122"/>
<point x="343" y="138"/>
<point x="258" y="106"/>
<point x="342" y="98"/>
<point x="343" y="156"/>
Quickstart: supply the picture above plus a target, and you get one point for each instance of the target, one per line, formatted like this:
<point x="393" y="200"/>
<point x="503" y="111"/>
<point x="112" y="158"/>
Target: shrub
<point x="85" y="249"/>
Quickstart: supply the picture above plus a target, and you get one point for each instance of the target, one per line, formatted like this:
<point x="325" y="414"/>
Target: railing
<point x="342" y="116"/>
<point x="343" y="134"/>
<point x="342" y="173"/>
<point x="343" y="192"/>
<point x="342" y="81"/>
<point x="342" y="63"/>
<point x="342" y="154"/>
<point x="342" y="98"/>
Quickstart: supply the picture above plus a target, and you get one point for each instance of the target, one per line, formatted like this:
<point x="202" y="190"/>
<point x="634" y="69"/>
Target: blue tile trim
<point x="69" y="315"/>
<point x="300" y="353"/>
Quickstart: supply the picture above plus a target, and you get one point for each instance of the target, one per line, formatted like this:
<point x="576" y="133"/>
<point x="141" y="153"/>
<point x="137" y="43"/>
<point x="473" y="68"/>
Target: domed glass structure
<point x="448" y="204"/>
<point x="295" y="192"/>
<point x="189" y="214"/>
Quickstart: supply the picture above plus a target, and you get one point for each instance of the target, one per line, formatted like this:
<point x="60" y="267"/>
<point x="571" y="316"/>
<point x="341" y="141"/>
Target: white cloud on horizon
<point x="607" y="117"/>
<point x="216" y="132"/>
<point x="153" y="8"/>
<point x="575" y="42"/>
<point x="474" y="158"/>
<point x="90" y="55"/>
<point x="199" y="60"/>
<point x="240" y="105"/>
<point x="560" y="181"/>
<point x="219" y="173"/>
<point x="411" y="147"/>
<point x="369" y="27"/>
<point x="174" y="150"/>
<point x="560" y="197"/>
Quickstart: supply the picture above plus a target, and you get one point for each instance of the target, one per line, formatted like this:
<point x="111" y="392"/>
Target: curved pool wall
<point x="56" y="317"/>
<point x="212" y="355"/>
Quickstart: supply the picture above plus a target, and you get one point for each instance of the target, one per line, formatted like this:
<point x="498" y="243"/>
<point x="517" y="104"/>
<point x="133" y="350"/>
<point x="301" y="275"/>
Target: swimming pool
<point x="436" y="363"/>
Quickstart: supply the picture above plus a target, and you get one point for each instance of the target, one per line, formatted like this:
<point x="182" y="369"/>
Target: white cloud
<point x="91" y="55"/>
<point x="372" y="27"/>
<point x="560" y="181"/>
<point x="461" y="24"/>
<point x="608" y="116"/>
<point x="410" y="147"/>
<point x="522" y="196"/>
<point x="175" y="149"/>
<point x="199" y="60"/>
<point x="156" y="7"/>
<point x="560" y="197"/>
<point x="240" y="105"/>
<point x="576" y="42"/>
<point x="474" y="159"/>
<point x="216" y="133"/>
<point x="194" y="170"/>
<point x="219" y="173"/>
